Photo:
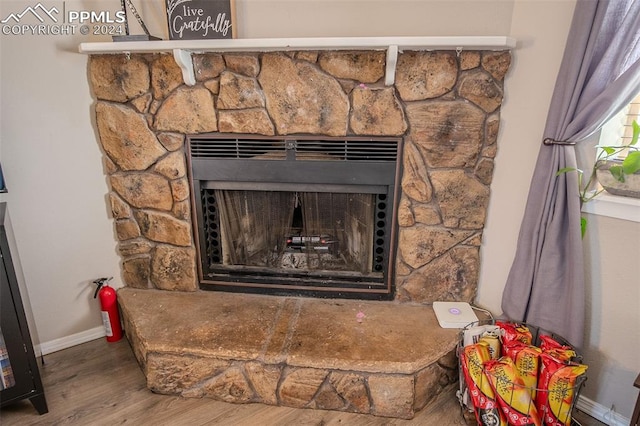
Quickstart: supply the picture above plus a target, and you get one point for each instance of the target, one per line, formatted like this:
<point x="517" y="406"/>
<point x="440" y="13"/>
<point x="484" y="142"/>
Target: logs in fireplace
<point x="295" y="215"/>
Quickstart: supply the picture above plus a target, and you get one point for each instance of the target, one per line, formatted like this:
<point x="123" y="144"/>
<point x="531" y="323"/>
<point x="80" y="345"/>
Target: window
<point x="617" y="131"/>
<point x="632" y="112"/>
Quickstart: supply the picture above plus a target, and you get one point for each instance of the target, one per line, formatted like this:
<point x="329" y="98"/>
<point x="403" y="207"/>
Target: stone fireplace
<point x="443" y="107"/>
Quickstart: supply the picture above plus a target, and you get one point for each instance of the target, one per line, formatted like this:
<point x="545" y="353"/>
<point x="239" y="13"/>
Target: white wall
<point x="318" y="18"/>
<point x="53" y="170"/>
<point x="528" y="89"/>
<point x="613" y="304"/>
<point x="57" y="187"/>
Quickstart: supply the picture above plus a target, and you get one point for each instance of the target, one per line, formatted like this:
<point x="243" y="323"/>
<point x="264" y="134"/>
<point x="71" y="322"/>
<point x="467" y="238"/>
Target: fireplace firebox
<point x="299" y="215"/>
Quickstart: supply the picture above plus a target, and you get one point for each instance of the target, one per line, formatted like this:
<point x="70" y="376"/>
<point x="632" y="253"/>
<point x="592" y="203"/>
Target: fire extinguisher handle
<point x="99" y="283"/>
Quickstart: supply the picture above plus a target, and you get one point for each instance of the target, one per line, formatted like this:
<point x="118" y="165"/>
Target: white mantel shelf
<point x="311" y="43"/>
<point x="182" y="49"/>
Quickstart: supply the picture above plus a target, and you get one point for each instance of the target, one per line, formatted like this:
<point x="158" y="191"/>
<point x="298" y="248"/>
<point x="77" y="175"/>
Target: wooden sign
<point x="201" y="19"/>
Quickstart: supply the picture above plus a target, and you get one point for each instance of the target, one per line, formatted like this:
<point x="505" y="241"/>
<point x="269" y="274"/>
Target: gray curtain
<point x="599" y="74"/>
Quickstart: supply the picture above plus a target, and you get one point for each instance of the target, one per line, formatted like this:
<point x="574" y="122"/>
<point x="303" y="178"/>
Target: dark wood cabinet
<point x="20" y="376"/>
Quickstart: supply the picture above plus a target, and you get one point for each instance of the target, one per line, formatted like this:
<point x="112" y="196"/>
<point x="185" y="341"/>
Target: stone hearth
<point x="380" y="358"/>
<point x="294" y="351"/>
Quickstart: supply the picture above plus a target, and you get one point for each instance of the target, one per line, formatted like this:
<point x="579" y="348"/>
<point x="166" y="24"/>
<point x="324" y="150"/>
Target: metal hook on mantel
<point x="458" y="51"/>
<point x="185" y="62"/>
<point x="392" y="60"/>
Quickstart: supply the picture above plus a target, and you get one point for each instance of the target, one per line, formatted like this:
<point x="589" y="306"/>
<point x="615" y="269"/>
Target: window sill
<point x="618" y="207"/>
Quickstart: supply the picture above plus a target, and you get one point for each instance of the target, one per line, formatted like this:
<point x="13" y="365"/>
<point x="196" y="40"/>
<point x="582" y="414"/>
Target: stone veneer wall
<point x="446" y="106"/>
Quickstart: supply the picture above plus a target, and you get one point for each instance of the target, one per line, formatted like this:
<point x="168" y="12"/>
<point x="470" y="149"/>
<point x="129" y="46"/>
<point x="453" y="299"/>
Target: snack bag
<point x="492" y="339"/>
<point x="547" y="342"/>
<point x="564" y="355"/>
<point x="514" y="399"/>
<point x="557" y="350"/>
<point x="473" y="334"/>
<point x="514" y="332"/>
<point x="546" y="360"/>
<point x="526" y="359"/>
<point x="557" y="390"/>
<point x="486" y="409"/>
<point x="550" y="360"/>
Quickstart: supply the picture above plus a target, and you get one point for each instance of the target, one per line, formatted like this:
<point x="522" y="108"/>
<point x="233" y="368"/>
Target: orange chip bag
<point x="550" y="345"/>
<point x="514" y="332"/>
<point x="526" y="359"/>
<point x="546" y="360"/>
<point x="486" y="409"/>
<point x="512" y="395"/>
<point x="557" y="390"/>
<point x="564" y="355"/>
<point x="553" y="356"/>
<point x="547" y="342"/>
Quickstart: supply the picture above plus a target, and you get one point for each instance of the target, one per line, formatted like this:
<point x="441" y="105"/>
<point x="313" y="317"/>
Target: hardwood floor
<point x="100" y="383"/>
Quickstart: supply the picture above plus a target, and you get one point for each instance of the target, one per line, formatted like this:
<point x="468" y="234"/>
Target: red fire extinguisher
<point x="109" y="308"/>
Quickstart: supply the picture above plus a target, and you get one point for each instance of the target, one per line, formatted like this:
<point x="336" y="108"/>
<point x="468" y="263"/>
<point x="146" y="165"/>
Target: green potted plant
<point x="621" y="177"/>
<point x="616" y="176"/>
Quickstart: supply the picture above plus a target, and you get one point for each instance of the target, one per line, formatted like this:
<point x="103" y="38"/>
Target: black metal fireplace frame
<point x="251" y="162"/>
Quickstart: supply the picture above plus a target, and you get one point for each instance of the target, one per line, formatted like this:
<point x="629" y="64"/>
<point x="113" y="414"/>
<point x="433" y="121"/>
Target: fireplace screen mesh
<point x="291" y="231"/>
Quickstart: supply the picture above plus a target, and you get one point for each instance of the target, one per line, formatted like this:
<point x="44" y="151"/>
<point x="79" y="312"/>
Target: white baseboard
<point x="600" y="412"/>
<point x="69" y="341"/>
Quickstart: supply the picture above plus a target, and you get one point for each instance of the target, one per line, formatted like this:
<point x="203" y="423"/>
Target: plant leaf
<point x="609" y="150"/>
<point x="617" y="172"/>
<point x="631" y="164"/>
<point x="583" y="226"/>
<point x="636" y="132"/>
<point x="566" y="170"/>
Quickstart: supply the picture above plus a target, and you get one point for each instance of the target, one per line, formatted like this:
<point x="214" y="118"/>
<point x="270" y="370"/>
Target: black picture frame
<point x="3" y="187"/>
<point x="201" y="19"/>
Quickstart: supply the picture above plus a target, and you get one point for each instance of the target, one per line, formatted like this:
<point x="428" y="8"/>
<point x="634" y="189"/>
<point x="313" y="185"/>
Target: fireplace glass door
<point x="291" y="232"/>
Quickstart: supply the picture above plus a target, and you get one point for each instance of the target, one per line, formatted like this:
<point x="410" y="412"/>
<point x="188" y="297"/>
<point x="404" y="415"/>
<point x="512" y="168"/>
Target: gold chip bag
<point x="485" y="406"/>
<point x="526" y="359"/>
<point x="557" y="390"/>
<point x="512" y="395"/>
